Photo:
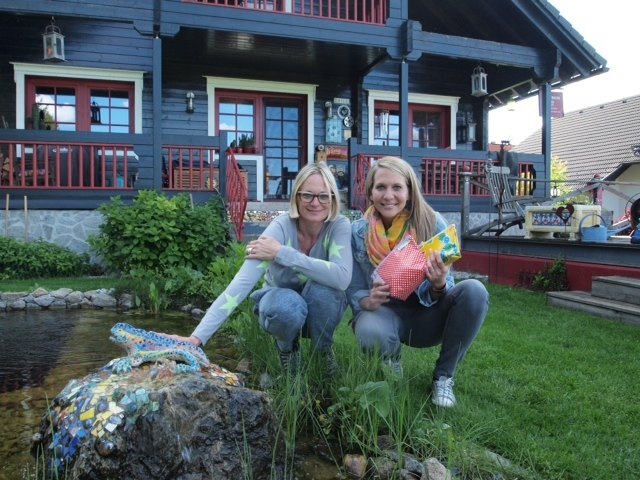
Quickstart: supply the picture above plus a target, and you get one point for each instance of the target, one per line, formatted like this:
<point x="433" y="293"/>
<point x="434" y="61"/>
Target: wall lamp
<point x="190" y="96"/>
<point x="53" y="43"/>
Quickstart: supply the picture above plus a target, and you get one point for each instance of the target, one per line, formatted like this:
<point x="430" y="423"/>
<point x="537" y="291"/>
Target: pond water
<point x="41" y="351"/>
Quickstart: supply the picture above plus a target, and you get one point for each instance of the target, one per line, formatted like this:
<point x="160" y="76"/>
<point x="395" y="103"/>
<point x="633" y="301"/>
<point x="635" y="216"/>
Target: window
<point x="432" y="119"/>
<point x="110" y="110"/>
<point x="78" y="105"/>
<point x="429" y="125"/>
<point x="237" y="116"/>
<point x="387" y="124"/>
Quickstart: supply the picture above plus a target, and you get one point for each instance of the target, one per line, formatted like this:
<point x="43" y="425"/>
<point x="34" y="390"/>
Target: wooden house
<point x="107" y="98"/>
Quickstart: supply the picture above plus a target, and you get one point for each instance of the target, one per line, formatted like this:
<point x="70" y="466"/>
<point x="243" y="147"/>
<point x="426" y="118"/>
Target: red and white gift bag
<point x="403" y="269"/>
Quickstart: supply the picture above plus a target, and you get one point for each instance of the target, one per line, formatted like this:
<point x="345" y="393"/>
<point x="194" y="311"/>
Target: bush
<point x="40" y="259"/>
<point x="553" y="278"/>
<point x="157" y="233"/>
<point x="179" y="286"/>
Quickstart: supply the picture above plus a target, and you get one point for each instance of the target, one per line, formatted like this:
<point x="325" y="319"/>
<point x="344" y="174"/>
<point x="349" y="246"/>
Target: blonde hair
<point x="305" y="172"/>
<point x="422" y="218"/>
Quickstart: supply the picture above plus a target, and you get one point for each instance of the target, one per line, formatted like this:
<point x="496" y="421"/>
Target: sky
<point x="611" y="28"/>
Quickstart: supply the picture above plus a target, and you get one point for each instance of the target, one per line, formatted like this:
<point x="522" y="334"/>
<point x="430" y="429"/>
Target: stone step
<point x="622" y="289"/>
<point x="602" y="307"/>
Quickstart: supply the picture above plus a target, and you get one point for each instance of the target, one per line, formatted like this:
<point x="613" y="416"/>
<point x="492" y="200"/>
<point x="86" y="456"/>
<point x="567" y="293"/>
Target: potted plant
<point x="242" y="143"/>
<point x="250" y="145"/>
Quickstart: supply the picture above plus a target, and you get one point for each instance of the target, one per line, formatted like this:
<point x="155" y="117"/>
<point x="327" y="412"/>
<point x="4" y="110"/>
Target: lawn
<point x="553" y="390"/>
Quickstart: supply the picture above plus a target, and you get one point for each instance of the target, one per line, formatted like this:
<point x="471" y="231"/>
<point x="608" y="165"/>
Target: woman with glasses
<point x="439" y="311"/>
<point x="305" y="258"/>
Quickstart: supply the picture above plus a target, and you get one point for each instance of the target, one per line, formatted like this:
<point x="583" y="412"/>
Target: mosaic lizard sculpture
<point x="144" y="346"/>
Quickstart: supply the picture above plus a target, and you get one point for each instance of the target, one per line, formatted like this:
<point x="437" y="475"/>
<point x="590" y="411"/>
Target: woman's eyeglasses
<point x="307" y="197"/>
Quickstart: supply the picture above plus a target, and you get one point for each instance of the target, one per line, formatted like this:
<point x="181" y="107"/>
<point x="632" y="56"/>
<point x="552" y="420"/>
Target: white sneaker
<point x="442" y="394"/>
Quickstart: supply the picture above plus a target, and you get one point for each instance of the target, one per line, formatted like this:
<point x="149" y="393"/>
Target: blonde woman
<point x="305" y="258"/>
<point x="439" y="312"/>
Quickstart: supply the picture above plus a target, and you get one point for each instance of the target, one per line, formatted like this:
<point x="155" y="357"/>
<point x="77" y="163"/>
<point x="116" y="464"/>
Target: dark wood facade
<point x="318" y="52"/>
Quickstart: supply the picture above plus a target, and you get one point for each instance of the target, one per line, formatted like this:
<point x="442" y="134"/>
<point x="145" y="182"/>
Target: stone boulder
<point x="153" y="423"/>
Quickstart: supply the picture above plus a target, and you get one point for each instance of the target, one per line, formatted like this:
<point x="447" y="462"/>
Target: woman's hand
<point x="378" y="295"/>
<point x="264" y="248"/>
<point x="436" y="271"/>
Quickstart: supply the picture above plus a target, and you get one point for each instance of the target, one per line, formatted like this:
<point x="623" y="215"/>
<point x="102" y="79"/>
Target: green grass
<point x="76" y="283"/>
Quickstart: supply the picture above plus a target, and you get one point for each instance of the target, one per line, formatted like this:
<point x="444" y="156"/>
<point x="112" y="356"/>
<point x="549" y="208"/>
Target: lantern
<point x="53" y="43"/>
<point x="479" y="82"/>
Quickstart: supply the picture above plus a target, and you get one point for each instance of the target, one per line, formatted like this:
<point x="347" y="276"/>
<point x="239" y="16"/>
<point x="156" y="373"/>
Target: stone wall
<point x="66" y="228"/>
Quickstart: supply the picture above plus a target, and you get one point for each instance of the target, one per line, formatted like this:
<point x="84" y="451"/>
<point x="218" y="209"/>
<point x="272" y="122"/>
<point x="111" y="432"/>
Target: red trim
<point x="507" y="269"/>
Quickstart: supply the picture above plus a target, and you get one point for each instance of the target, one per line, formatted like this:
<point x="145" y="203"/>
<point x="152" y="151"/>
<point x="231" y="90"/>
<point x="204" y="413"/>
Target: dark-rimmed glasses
<point x="307" y="197"/>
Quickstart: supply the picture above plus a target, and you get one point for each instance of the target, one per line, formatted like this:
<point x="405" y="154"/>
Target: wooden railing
<point x="237" y="194"/>
<point x="62" y="165"/>
<point x="187" y="168"/>
<point x="362" y="11"/>
<point x="437" y="177"/>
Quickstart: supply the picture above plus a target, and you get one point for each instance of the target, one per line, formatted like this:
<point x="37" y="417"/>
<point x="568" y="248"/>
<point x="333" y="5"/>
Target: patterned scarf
<point x="380" y="241"/>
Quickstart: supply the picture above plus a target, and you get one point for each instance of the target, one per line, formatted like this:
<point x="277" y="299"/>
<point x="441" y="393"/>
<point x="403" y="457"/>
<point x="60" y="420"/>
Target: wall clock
<point x="344" y="111"/>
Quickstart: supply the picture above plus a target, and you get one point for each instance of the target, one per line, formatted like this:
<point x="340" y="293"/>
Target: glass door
<point x="283" y="145"/>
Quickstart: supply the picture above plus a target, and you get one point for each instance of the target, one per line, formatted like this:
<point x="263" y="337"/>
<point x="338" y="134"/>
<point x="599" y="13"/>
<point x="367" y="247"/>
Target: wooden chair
<point x="510" y="211"/>
<point x="191" y="179"/>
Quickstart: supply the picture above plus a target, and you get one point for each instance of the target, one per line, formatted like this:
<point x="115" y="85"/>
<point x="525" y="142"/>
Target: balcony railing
<point x="61" y="165"/>
<point x="440" y="177"/>
<point x="362" y="11"/>
<point x="189" y="168"/>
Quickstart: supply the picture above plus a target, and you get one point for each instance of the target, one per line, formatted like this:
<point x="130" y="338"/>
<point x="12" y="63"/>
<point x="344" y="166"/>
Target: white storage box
<point x="542" y="221"/>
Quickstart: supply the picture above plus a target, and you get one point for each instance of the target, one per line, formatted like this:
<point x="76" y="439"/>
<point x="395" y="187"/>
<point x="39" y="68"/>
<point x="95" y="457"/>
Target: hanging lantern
<point x="53" y="43"/>
<point x="479" y="82"/>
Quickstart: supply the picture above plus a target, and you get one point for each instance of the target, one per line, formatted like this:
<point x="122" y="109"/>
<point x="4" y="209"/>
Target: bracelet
<point x="438" y="290"/>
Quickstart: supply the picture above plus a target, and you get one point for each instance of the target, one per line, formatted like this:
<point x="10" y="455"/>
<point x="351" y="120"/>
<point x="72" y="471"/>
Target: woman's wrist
<point x="438" y="290"/>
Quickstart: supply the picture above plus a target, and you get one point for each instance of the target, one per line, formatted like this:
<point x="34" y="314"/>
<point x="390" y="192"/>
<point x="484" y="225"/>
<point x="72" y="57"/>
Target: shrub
<point x="552" y="278"/>
<point x="40" y="259"/>
<point x="157" y="233"/>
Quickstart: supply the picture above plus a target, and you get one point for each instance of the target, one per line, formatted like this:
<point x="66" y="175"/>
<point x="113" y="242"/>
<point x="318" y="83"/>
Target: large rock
<point x="151" y="423"/>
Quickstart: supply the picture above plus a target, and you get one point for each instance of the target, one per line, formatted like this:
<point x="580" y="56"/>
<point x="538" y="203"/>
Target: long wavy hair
<point x="422" y="218"/>
<point x="305" y="172"/>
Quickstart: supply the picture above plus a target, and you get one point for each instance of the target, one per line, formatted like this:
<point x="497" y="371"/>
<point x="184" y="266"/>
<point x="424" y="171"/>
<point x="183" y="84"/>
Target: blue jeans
<point x="315" y="313"/>
<point x="453" y="322"/>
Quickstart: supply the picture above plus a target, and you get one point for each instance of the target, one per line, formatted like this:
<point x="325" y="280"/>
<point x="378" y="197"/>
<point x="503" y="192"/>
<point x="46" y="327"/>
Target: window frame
<point x="24" y="70"/>
<point x="417" y="100"/>
<point x="83" y="93"/>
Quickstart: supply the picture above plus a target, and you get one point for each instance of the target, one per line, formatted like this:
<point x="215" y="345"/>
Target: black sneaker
<point x="290" y="360"/>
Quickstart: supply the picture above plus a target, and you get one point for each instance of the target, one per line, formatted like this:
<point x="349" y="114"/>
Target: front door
<point x="283" y="145"/>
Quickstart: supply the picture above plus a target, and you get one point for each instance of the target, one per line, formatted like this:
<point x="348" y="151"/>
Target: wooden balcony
<point x="374" y="12"/>
<point x="62" y="165"/>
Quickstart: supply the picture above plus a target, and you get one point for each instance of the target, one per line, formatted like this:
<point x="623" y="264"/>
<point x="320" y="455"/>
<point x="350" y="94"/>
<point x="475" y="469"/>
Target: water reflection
<point x="41" y="351"/>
